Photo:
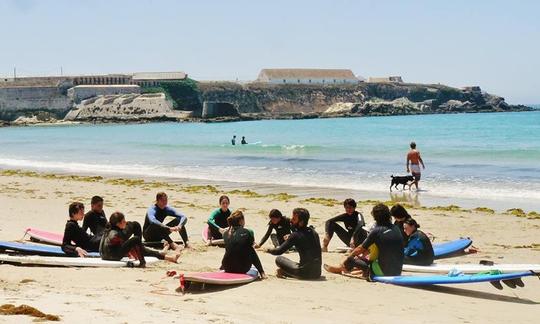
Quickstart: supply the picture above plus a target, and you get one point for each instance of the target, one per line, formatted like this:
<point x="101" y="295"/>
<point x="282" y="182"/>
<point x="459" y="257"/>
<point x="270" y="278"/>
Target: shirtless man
<point x="413" y="164"/>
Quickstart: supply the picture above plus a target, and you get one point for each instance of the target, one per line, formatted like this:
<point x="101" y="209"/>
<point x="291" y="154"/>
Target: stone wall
<point x="16" y="101"/>
<point x="81" y="92"/>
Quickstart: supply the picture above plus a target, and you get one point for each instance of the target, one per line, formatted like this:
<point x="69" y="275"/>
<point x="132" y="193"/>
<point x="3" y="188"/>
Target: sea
<point x="485" y="159"/>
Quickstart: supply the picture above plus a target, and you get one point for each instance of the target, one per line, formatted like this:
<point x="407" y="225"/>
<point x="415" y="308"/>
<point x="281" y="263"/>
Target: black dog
<point x="404" y="180"/>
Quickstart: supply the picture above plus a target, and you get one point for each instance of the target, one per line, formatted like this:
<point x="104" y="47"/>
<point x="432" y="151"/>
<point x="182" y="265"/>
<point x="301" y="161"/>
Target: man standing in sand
<point x="413" y="164"/>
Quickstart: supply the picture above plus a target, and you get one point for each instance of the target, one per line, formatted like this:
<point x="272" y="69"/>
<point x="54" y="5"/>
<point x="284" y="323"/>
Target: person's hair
<point x="413" y="145"/>
<point x="75" y="207"/>
<point x="223" y="198"/>
<point x="381" y="214"/>
<point x="398" y="211"/>
<point x="302" y="214"/>
<point x="274" y="213"/>
<point x="160" y="195"/>
<point x="95" y="200"/>
<point x="116" y="218"/>
<point x="235" y="218"/>
<point x="349" y="202"/>
<point x="412" y="222"/>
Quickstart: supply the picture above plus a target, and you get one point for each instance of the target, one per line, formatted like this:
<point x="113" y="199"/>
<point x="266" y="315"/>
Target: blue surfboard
<point x="443" y="280"/>
<point x="443" y="250"/>
<point x="34" y="249"/>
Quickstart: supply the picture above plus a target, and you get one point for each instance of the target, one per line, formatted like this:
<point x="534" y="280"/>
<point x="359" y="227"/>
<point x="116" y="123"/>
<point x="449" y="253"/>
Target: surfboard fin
<point x="496" y="284"/>
<point x="519" y="282"/>
<point x="510" y="283"/>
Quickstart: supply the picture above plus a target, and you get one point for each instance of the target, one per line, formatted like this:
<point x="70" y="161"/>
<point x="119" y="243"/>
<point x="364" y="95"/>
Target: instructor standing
<point x="413" y="164"/>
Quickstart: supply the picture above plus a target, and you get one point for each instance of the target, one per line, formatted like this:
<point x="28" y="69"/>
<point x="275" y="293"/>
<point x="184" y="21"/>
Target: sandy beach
<point x="145" y="295"/>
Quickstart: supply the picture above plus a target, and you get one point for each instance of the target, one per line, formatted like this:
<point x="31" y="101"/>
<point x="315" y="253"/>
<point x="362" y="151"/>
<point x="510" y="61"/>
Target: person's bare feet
<point x="280" y="274"/>
<point x="172" y="257"/>
<point x="332" y="269"/>
<point x="166" y="246"/>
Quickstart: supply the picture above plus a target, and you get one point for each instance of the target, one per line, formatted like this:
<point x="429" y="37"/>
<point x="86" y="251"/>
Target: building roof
<point x="107" y="86"/>
<point x="307" y="73"/>
<point x="159" y="76"/>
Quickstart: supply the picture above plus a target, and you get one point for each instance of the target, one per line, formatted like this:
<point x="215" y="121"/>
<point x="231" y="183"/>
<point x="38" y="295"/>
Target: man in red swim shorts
<point x="413" y="164"/>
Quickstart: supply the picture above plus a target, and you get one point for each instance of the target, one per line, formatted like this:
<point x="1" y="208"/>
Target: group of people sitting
<point x="379" y="250"/>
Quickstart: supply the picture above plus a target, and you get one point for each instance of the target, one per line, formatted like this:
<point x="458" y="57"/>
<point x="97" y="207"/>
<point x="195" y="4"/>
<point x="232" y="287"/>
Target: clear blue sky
<point x="494" y="44"/>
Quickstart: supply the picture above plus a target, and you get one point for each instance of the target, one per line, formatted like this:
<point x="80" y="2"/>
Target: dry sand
<point x="145" y="296"/>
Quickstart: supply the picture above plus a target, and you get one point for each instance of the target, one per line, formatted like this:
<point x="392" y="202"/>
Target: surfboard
<point x="447" y="249"/>
<point x="38" y="235"/>
<point x="35" y="260"/>
<point x="444" y="280"/>
<point x="222" y="278"/>
<point x="471" y="268"/>
<point x="208" y="239"/>
<point x="440" y="250"/>
<point x="35" y="249"/>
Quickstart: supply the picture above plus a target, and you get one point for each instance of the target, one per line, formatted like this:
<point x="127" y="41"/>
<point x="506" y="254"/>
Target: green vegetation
<point x="484" y="210"/>
<point x="282" y="196"/>
<point x="245" y="193"/>
<point x="197" y="189"/>
<point x="516" y="212"/>
<point x="322" y="201"/>
<point x="184" y="94"/>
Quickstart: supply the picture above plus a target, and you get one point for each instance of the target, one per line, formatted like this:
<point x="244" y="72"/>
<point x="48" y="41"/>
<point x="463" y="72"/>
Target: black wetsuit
<point x="282" y="228"/>
<point x="97" y="222"/>
<point x="239" y="252"/>
<point x="115" y="245"/>
<point x="419" y="250"/>
<point x="389" y="241"/>
<point x="353" y="228"/>
<point x="74" y="233"/>
<point x="217" y="220"/>
<point x="307" y="243"/>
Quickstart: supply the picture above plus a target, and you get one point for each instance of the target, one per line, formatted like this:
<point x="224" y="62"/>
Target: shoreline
<point x="325" y="196"/>
<point x="242" y="118"/>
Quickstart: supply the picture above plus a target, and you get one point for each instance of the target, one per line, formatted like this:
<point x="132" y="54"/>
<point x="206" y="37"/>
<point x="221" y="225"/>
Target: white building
<point x="152" y="79"/>
<point x="388" y="79"/>
<point x="307" y="76"/>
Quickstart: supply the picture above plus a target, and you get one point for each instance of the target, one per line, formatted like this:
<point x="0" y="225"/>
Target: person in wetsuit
<point x="233" y="140"/>
<point x="77" y="242"/>
<point x="353" y="234"/>
<point x="400" y="215"/>
<point x="306" y="241"/>
<point x="217" y="222"/>
<point x="419" y="250"/>
<point x="239" y="252"/>
<point x="96" y="221"/>
<point x="282" y="226"/>
<point x="116" y="244"/>
<point x="389" y="242"/>
<point x="155" y="231"/>
<point x="243" y="140"/>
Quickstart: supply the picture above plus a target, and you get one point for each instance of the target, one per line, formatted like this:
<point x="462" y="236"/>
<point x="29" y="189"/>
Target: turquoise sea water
<point x="483" y="156"/>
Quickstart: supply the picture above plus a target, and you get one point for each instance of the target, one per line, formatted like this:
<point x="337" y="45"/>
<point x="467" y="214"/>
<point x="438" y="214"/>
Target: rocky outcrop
<point x="363" y="99"/>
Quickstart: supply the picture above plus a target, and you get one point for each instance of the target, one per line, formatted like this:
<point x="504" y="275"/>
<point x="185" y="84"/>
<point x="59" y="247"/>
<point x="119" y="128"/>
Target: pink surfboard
<point x="221" y="278"/>
<point x="44" y="236"/>
<point x="206" y="236"/>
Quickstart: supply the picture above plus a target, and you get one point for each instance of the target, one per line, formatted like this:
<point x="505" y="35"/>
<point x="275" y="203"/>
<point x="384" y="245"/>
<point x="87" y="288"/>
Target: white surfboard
<point x="30" y="260"/>
<point x="471" y="268"/>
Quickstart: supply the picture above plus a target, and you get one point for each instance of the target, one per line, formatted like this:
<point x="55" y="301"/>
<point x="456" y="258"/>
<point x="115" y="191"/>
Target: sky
<point x="491" y="43"/>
